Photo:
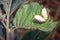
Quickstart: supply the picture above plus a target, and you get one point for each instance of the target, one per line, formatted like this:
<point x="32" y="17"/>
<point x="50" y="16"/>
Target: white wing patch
<point x="39" y="18"/>
<point x="44" y="13"/>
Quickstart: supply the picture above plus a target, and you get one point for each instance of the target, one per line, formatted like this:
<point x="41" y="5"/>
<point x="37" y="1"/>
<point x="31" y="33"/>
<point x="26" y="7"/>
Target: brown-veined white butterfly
<point x="43" y="17"/>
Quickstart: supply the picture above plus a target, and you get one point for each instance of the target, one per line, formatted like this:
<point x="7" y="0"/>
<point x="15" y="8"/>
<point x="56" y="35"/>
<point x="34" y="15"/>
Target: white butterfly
<point x="43" y="17"/>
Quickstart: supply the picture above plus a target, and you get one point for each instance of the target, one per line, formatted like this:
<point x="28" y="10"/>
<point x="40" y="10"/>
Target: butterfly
<point x="43" y="17"/>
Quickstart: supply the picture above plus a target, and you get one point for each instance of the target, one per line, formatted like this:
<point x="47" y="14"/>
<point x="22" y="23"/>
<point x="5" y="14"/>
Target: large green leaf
<point x="24" y="18"/>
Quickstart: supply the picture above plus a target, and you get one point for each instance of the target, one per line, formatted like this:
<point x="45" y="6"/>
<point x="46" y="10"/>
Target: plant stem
<point x="7" y="23"/>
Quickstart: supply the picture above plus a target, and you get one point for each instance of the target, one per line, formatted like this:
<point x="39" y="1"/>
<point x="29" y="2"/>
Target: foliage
<point x="24" y="18"/>
<point x="35" y="35"/>
<point x="9" y="6"/>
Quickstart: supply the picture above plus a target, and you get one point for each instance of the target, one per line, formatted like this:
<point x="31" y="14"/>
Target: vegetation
<point x="24" y="18"/>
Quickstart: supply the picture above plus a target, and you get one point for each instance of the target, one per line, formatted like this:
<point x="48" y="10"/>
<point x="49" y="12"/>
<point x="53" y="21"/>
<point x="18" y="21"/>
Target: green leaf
<point x="25" y="18"/>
